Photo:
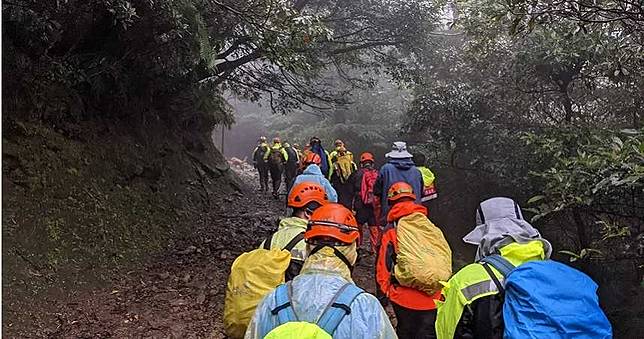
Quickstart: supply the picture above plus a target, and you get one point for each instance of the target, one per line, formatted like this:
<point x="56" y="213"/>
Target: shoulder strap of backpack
<point x="339" y="307"/>
<point x="267" y="242"/>
<point x="283" y="307"/>
<point x="294" y="241"/>
<point x="500" y="263"/>
<point x="499" y="285"/>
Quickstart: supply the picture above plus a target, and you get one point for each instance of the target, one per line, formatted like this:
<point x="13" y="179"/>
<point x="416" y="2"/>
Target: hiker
<point x="312" y="173"/>
<point x="323" y="301"/>
<point x="540" y="299"/>
<point x="260" y="164"/>
<point x="412" y="258"/>
<point x="343" y="166"/>
<point x="362" y="182"/>
<point x="429" y="186"/>
<point x="399" y="167"/>
<point x="290" y="167"/>
<point x="304" y="198"/>
<point x="325" y="160"/>
<point x="279" y="258"/>
<point x="276" y="157"/>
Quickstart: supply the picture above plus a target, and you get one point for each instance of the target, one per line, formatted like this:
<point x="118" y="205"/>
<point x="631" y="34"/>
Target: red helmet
<point x="306" y="192"/>
<point x="333" y="221"/>
<point x="400" y="190"/>
<point x="312" y="158"/>
<point x="366" y="156"/>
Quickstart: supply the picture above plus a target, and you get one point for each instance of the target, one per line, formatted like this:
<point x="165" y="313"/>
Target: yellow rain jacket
<point x="287" y="230"/>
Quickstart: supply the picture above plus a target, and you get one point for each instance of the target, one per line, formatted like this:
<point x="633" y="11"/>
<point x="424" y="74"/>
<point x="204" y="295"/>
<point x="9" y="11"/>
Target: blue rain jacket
<point x="396" y="170"/>
<point x="313" y="174"/>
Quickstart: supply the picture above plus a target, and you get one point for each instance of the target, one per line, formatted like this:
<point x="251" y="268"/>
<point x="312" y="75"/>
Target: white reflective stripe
<point x="483" y="287"/>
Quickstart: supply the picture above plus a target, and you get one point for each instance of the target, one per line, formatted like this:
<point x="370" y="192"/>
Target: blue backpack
<point x="547" y="299"/>
<point x="335" y="311"/>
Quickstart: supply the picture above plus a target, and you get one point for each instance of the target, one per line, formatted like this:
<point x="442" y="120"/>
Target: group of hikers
<point x="298" y="283"/>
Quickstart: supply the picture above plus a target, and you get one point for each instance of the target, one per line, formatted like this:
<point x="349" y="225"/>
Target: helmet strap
<point x="336" y="252"/>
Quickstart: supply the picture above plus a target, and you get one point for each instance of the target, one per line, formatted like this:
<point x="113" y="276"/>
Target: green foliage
<point x="534" y="105"/>
<point x="174" y="59"/>
<point x="590" y="169"/>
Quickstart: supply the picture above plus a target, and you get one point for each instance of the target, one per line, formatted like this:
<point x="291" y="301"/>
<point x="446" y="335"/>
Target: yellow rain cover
<point x="253" y="275"/>
<point x="297" y="330"/>
<point x="424" y="257"/>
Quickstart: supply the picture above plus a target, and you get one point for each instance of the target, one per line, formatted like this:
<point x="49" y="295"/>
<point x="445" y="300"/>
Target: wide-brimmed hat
<point x="399" y="151"/>
<point x="499" y="223"/>
<point x="488" y="220"/>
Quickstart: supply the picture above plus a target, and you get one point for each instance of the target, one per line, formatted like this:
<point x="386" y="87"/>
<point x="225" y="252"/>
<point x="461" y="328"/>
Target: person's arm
<point x="377" y="186"/>
<point x="262" y="320"/>
<point x="284" y="154"/>
<point x="330" y="191"/>
<point x="254" y="156"/>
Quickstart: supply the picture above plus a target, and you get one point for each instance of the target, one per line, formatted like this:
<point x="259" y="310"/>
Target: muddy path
<point x="180" y="294"/>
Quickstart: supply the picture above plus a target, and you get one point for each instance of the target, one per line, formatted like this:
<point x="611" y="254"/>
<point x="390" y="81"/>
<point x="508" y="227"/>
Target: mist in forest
<point x="113" y="112"/>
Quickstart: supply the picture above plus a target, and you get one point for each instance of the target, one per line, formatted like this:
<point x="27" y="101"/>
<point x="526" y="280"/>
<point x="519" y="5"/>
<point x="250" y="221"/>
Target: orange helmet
<point x="366" y="156"/>
<point x="400" y="190"/>
<point x="312" y="158"/>
<point x="333" y="221"/>
<point x="305" y="193"/>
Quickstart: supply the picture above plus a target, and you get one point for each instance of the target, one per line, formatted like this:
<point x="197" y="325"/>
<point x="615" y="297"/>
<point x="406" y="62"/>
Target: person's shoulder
<point x="367" y="298"/>
<point x="469" y="270"/>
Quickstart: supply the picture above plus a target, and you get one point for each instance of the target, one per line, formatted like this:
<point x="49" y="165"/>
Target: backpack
<point x="423" y="258"/>
<point x="548" y="299"/>
<point x="276" y="157"/>
<point x="344" y="166"/>
<point x="253" y="275"/>
<point x="366" y="186"/>
<point x="289" y="326"/>
<point x="258" y="156"/>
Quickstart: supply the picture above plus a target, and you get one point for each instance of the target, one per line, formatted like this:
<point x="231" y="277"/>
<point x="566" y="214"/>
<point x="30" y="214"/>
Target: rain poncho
<point x="313" y="174"/>
<point x="322" y="276"/>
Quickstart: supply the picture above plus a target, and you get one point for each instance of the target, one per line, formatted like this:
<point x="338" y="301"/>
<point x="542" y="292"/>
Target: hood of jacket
<point x="405" y="208"/>
<point x="403" y="164"/>
<point x="326" y="262"/>
<point x="313" y="169"/>
<point x="292" y="222"/>
<point x="500" y="224"/>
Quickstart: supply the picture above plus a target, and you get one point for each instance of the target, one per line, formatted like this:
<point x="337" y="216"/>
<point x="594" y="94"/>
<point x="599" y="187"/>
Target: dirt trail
<point x="181" y="293"/>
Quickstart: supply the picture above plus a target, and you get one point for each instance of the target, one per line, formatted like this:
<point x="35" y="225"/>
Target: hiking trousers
<point x="290" y="172"/>
<point x="263" y="176"/>
<point x="414" y="324"/>
<point x="276" y="177"/>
